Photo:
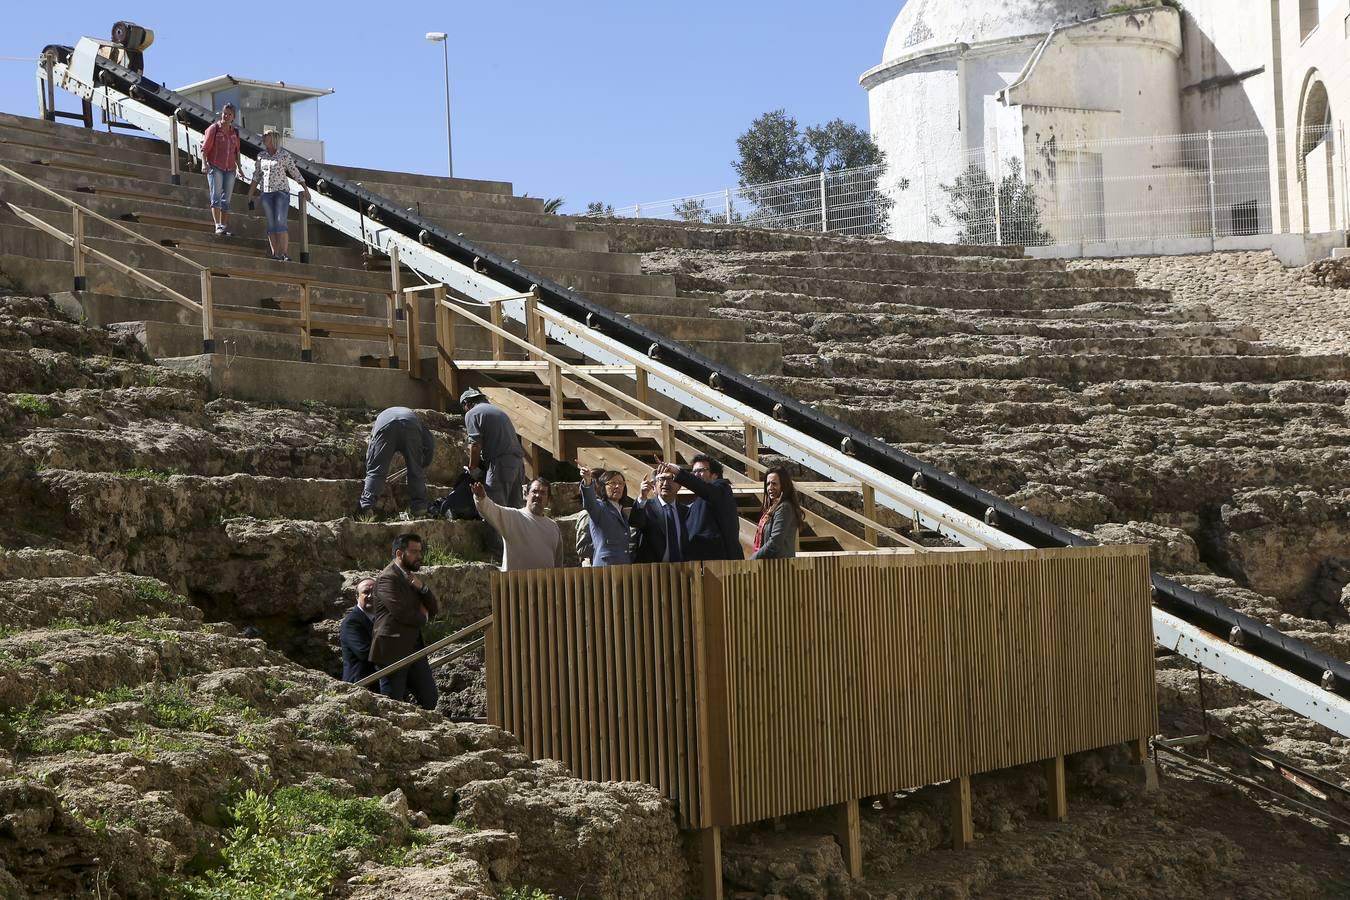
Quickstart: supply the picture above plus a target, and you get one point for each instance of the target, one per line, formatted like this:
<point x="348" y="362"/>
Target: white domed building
<point x="1086" y="99"/>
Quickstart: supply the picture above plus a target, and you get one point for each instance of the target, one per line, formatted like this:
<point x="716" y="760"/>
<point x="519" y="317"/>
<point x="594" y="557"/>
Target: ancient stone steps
<point x="948" y="298"/>
<point x="851" y="363"/>
<point x="936" y="260"/>
<point x="1082" y="278"/>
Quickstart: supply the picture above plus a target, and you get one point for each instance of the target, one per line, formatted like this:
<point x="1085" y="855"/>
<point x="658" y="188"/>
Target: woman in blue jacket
<point x="608" y="517"/>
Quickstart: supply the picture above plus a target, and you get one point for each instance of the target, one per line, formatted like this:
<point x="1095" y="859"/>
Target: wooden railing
<point x="632" y="412"/>
<point x="748" y="690"/>
<point x="306" y="321"/>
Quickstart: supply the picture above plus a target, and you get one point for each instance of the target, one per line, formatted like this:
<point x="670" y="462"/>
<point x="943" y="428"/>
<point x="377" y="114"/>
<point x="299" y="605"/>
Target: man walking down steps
<point x="397" y="430"/>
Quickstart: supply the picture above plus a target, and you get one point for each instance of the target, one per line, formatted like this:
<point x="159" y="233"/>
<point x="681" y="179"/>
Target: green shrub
<point x="34" y="405"/>
<point x="287" y="844"/>
<point x="150" y="474"/>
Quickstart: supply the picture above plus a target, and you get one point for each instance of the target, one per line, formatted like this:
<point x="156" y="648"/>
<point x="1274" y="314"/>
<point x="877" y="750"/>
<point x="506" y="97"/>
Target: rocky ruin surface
<point x="145" y="525"/>
<point x="1205" y="416"/>
<point x="148" y="524"/>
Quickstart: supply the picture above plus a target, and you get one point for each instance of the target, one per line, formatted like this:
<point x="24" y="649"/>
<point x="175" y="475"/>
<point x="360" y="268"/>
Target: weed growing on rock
<point x="150" y="474"/>
<point x="33" y="405"/>
<point x="290" y="843"/>
<point x="524" y="893"/>
<point x="434" y="555"/>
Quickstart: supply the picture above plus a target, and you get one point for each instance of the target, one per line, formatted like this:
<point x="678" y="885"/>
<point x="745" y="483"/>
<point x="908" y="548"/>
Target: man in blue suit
<point x="714" y="524"/>
<point x="355" y="637"/>
<point x="661" y="523"/>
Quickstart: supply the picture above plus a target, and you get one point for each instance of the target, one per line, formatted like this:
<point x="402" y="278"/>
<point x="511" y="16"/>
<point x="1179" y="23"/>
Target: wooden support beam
<point x="208" y="314"/>
<point x="440" y="317"/>
<point x="1138" y="750"/>
<point x="77" y="246"/>
<point x="848" y="832"/>
<point x="869" y="495"/>
<point x="498" y="342"/>
<point x="390" y="298"/>
<point x="710" y="859"/>
<point x="668" y="452"/>
<point x="1057" y="798"/>
<point x="450" y="381"/>
<point x="412" y="319"/>
<point x="306" y="326"/>
<point x="963" y="826"/>
<point x="534" y="323"/>
<point x="642" y="388"/>
<point x="304" y="228"/>
<point x="752" y="443"/>
<point x="555" y="408"/>
<point x="395" y="277"/>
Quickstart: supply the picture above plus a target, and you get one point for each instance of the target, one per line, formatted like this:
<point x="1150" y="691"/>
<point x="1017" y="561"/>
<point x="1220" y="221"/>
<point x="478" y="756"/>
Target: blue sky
<point x="589" y="100"/>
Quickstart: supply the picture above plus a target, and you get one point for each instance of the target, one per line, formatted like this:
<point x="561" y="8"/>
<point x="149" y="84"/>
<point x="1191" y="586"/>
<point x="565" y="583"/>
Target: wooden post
<point x="451" y="374"/>
<point x="1057" y="800"/>
<point x="306" y="338"/>
<point x="710" y="855"/>
<point x="392" y="337"/>
<point x="304" y="229"/>
<point x="848" y="832"/>
<point x="498" y="342"/>
<point x="534" y="326"/>
<point x="642" y="392"/>
<point x="208" y="315"/>
<point x="668" y="453"/>
<point x="412" y="320"/>
<point x="396" y="281"/>
<point x="751" y="443"/>
<point x="174" y="176"/>
<point x="869" y="495"/>
<point x="1138" y="750"/>
<point x="444" y="371"/>
<point x="77" y="247"/>
<point x="555" y="405"/>
<point x="963" y="826"/>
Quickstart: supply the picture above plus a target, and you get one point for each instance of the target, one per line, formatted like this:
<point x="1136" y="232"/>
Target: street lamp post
<point x="439" y="37"/>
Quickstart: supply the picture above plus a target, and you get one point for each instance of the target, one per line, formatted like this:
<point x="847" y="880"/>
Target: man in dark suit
<point x="355" y="636"/>
<point x="403" y="604"/>
<point x="661" y="524"/>
<point x="714" y="525"/>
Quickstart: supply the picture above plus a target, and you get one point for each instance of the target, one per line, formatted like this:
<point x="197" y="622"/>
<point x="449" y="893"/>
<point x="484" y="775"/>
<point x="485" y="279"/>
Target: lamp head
<point x="436" y="36"/>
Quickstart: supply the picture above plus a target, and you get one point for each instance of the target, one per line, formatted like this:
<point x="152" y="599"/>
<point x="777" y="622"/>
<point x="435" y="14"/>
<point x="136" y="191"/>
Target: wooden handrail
<point x="89" y="213"/>
<point x="669" y="421"/>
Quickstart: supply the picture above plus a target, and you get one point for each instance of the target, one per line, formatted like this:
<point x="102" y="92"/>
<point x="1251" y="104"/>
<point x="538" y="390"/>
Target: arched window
<point x="1308" y="17"/>
<point x="1315" y="121"/>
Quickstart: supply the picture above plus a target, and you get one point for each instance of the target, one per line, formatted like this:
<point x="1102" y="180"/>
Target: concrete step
<point x="647" y="304"/>
<point x="291" y="383"/>
<point x="693" y="328"/>
<point x="587" y="282"/>
<point x="880" y="262"/>
<point x="56" y="133"/>
<point x="421" y="182"/>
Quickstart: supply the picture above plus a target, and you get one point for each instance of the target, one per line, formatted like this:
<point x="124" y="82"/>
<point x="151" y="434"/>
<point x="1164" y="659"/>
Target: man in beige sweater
<point x="531" y="539"/>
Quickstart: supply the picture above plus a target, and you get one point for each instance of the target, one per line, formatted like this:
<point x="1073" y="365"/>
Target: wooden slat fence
<point x="747" y="690"/>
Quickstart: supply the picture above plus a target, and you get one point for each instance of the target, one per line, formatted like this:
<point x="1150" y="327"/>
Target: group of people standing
<point x="221" y="161"/>
<point x="386" y="623"/>
<point x="615" y="530"/>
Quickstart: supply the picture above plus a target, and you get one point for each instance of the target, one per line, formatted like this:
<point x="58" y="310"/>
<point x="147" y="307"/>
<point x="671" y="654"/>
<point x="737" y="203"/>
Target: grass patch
<point x="33" y="405"/>
<point x="289" y="843"/>
<point x="436" y="555"/>
<point x="525" y="893"/>
<point x="149" y="474"/>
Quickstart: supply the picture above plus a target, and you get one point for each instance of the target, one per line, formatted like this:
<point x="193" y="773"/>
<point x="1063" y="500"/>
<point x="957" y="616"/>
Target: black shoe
<point x="284" y="258"/>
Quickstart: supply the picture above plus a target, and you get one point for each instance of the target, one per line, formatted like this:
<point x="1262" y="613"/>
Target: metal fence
<point x="1205" y="185"/>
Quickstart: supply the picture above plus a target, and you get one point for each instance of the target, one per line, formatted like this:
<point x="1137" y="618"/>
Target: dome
<point x="935" y="23"/>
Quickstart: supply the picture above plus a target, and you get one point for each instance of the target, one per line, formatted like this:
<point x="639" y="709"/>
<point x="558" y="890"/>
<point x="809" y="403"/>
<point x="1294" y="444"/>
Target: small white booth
<point x="293" y="109"/>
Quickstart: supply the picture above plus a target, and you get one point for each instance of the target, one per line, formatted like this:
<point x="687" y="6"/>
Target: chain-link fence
<point x="1206" y="185"/>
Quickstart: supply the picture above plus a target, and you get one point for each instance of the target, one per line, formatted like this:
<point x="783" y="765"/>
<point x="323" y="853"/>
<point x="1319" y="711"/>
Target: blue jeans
<point x="276" y="206"/>
<point x="221" y="185"/>
<point x="417" y="678"/>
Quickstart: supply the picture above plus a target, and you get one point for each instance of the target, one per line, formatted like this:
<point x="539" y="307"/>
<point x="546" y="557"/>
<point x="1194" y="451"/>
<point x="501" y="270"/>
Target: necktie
<point x="672" y="535"/>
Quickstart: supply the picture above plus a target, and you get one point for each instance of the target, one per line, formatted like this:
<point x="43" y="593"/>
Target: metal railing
<point x="482" y="626"/>
<point x="1203" y="185"/>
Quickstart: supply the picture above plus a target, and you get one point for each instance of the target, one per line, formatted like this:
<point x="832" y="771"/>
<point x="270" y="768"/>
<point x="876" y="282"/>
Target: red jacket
<point x="221" y="147"/>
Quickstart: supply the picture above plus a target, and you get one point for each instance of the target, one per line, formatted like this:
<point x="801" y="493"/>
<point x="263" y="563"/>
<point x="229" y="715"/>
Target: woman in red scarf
<point x="776" y="534"/>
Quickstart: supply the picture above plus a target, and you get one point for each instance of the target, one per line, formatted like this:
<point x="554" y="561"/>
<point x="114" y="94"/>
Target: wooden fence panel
<point x="746" y="690"/>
